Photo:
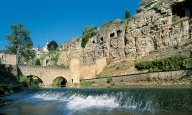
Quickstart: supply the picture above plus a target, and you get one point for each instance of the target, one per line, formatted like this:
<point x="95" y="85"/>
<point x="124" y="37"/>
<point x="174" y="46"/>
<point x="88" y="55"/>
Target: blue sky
<point x="59" y="20"/>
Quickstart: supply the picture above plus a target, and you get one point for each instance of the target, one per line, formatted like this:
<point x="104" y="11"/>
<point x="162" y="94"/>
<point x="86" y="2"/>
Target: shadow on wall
<point x="187" y="75"/>
<point x="8" y="74"/>
<point x="182" y="9"/>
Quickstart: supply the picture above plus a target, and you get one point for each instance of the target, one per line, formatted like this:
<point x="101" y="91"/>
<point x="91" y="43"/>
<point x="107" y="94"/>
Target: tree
<point x="37" y="62"/>
<point x="127" y="14"/>
<point x="52" y="45"/>
<point x="20" y="43"/>
<point x="88" y="32"/>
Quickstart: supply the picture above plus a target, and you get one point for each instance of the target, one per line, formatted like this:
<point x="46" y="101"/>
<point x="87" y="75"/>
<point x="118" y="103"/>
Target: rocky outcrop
<point x="150" y="29"/>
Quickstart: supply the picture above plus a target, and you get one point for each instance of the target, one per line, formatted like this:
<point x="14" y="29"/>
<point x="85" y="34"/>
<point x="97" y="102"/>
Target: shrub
<point x="102" y="84"/>
<point x="88" y="32"/>
<point x="17" y="88"/>
<point x="57" y="81"/>
<point x="24" y="81"/>
<point x="78" y="39"/>
<point x="37" y="62"/>
<point x="61" y="66"/>
<point x="99" y="75"/>
<point x="81" y="79"/>
<point x="52" y="45"/>
<point x="175" y="62"/>
<point x="127" y="14"/>
<point x="109" y="79"/>
<point x="175" y="18"/>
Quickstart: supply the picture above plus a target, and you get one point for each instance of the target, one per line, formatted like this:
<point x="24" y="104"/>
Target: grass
<point x="85" y="83"/>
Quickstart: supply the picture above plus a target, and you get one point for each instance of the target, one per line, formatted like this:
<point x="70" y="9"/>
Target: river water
<point x="99" y="101"/>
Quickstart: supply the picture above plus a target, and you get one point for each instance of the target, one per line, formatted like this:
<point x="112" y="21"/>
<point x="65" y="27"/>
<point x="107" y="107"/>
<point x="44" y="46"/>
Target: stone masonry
<point x="151" y="28"/>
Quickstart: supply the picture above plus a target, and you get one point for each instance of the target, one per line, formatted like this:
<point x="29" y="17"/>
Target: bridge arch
<point x="35" y="81"/>
<point x="60" y="81"/>
<point x="45" y="73"/>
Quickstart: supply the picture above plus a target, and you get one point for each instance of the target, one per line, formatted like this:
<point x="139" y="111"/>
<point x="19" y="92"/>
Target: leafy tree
<point x="37" y="62"/>
<point x="19" y="42"/>
<point x="52" y="45"/>
<point x="127" y="14"/>
<point x="88" y="32"/>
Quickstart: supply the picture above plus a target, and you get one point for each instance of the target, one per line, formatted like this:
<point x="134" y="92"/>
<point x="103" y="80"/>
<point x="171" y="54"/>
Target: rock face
<point x="150" y="29"/>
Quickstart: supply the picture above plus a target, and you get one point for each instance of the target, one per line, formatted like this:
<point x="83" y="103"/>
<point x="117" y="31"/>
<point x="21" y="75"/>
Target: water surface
<point x="100" y="101"/>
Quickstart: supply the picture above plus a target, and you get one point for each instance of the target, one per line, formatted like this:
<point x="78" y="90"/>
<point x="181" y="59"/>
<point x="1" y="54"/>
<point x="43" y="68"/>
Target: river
<point x="99" y="101"/>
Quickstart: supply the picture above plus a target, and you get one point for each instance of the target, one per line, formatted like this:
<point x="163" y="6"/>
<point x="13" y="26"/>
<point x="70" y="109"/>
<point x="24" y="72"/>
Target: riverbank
<point x="8" y="89"/>
<point x="166" y="78"/>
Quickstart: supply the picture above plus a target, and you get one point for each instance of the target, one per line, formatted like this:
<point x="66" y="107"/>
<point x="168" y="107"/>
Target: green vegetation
<point x="99" y="75"/>
<point x="30" y="81"/>
<point x="8" y="82"/>
<point x="88" y="32"/>
<point x="110" y="66"/>
<point x="175" y="62"/>
<point x="54" y="57"/>
<point x="175" y="18"/>
<point x="85" y="83"/>
<point x="24" y="81"/>
<point x="109" y="79"/>
<point x="59" y="81"/>
<point x="78" y="39"/>
<point x="62" y="47"/>
<point x="102" y="84"/>
<point x="52" y="46"/>
<point x="37" y="62"/>
<point x="20" y="42"/>
<point x="7" y="89"/>
<point x="127" y="14"/>
<point x="187" y="43"/>
<point x="105" y="22"/>
<point x="62" y="66"/>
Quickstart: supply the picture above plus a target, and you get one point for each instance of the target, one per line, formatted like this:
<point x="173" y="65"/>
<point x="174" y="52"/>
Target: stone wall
<point x="85" y="71"/>
<point x="8" y="59"/>
<point x="153" y="78"/>
<point x="45" y="73"/>
<point x="8" y="73"/>
<point x="150" y="29"/>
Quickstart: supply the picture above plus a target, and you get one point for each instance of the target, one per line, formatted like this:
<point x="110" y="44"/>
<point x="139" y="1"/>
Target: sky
<point x="59" y="20"/>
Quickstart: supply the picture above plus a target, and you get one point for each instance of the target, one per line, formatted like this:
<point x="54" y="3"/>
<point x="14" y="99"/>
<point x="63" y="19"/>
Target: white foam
<point x="78" y="102"/>
<point x="48" y="96"/>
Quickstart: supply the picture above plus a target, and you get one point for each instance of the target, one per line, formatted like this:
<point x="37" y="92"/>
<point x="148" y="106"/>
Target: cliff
<point x="152" y="28"/>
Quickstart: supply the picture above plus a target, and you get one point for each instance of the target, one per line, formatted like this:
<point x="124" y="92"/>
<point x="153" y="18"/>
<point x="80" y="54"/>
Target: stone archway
<point x="59" y="82"/>
<point x="35" y="81"/>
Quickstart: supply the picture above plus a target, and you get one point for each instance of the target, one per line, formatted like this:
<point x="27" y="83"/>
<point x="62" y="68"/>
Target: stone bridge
<point x="45" y="73"/>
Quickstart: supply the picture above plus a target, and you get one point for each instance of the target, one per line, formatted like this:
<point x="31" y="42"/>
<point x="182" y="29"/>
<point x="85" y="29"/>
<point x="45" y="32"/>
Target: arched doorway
<point x="34" y="81"/>
<point x="59" y="82"/>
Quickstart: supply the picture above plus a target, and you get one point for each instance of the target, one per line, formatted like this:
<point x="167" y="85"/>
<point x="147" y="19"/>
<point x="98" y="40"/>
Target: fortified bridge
<point x="45" y="73"/>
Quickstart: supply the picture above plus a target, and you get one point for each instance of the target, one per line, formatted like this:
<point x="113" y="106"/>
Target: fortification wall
<point x="85" y="71"/>
<point x="150" y="29"/>
<point x="8" y="59"/>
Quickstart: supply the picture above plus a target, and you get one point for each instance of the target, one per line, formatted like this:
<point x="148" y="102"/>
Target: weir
<point x="93" y="101"/>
